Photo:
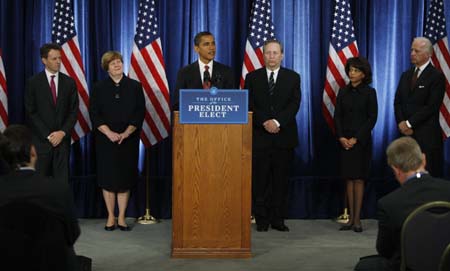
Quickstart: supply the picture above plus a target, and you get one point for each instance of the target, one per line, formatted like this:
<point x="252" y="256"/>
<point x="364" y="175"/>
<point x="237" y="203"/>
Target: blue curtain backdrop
<point x="384" y="30"/>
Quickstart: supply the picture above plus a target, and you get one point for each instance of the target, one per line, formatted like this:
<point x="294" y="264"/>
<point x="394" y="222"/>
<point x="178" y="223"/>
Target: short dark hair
<point x="273" y="41"/>
<point x="361" y="64"/>
<point x="47" y="47"/>
<point x="19" y="145"/>
<point x="200" y="35"/>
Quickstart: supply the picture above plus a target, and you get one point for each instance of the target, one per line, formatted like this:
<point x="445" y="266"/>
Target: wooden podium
<point x="211" y="190"/>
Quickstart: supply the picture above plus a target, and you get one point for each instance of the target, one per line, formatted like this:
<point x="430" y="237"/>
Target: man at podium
<point x="205" y="72"/>
<point x="274" y="98"/>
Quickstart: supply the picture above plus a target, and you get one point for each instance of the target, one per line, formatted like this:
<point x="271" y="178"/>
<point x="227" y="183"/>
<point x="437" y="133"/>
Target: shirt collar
<point x="422" y="67"/>
<point x="275" y="72"/>
<point x="417" y="175"/>
<point x="202" y="66"/>
<point x="27" y="168"/>
<point x="50" y="74"/>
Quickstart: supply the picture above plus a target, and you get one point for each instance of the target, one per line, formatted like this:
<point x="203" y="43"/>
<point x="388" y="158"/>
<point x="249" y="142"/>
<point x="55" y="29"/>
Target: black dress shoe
<point x="357" y="228"/>
<point x="124" y="228"/>
<point x="262" y="227"/>
<point x="281" y="227"/>
<point x="110" y="228"/>
<point x="346" y="227"/>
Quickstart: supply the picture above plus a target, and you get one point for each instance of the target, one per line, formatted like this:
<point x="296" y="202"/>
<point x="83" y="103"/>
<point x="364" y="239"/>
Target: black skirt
<point x="117" y="165"/>
<point x="355" y="162"/>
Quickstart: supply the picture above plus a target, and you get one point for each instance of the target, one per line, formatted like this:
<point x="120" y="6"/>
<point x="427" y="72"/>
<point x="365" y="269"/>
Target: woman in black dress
<point x="354" y="118"/>
<point x="117" y="111"/>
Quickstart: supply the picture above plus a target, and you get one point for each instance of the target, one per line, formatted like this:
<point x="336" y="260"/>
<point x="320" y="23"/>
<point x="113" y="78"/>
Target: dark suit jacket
<point x="189" y="78"/>
<point x="420" y="105"/>
<point x="51" y="195"/>
<point x="356" y="113"/>
<point x="395" y="207"/>
<point x="43" y="117"/>
<point x="283" y="106"/>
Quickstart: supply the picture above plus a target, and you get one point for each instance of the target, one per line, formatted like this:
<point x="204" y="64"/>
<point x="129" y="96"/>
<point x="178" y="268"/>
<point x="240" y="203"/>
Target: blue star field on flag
<point x="63" y="28"/>
<point x="261" y="27"/>
<point x="147" y="29"/>
<point x="342" y="32"/>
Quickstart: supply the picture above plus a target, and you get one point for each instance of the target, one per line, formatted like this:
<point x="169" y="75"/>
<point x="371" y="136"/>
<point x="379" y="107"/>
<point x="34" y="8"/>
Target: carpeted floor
<point x="310" y="245"/>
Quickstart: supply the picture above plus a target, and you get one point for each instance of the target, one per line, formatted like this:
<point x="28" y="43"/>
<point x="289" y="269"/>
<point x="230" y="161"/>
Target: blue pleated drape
<point x="384" y="30"/>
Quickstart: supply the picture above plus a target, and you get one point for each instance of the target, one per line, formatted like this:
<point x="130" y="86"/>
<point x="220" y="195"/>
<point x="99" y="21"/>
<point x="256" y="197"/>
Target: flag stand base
<point x="147" y="219"/>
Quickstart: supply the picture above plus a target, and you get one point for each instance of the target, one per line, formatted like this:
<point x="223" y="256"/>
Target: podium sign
<point x="224" y="106"/>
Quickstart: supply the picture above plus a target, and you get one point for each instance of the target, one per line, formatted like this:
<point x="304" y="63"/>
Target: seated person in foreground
<point x="23" y="185"/>
<point x="408" y="163"/>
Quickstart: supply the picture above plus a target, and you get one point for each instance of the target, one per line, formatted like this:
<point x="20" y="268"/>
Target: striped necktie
<point x="271" y="84"/>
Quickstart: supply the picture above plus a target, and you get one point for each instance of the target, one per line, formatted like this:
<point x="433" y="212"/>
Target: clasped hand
<point x="348" y="143"/>
<point x="116" y="137"/>
<point x="56" y="137"/>
<point x="271" y="126"/>
<point x="404" y="129"/>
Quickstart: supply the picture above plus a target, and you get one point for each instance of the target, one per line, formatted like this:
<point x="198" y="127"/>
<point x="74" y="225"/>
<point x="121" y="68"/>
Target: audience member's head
<point x="17" y="149"/>
<point x="405" y="157"/>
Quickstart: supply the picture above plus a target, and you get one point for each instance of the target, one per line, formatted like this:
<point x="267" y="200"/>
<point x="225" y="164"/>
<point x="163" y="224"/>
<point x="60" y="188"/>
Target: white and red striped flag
<point x="147" y="67"/>
<point x="436" y="32"/>
<point x="261" y="28"/>
<point x="3" y="96"/>
<point x="64" y="34"/>
<point x="342" y="47"/>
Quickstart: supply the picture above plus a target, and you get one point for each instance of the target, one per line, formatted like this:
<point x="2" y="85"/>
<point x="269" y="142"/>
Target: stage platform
<point x="310" y="245"/>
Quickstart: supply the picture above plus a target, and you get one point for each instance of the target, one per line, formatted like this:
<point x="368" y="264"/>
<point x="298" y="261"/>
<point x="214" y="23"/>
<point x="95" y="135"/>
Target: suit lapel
<point x="215" y="72"/>
<point x="423" y="75"/>
<point x="265" y="82"/>
<point x="421" y="78"/>
<point x="278" y="81"/>
<point x="60" y="95"/>
<point x="197" y="80"/>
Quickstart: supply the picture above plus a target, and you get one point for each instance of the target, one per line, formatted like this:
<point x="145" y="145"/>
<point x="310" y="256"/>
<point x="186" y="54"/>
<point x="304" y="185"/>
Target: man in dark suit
<point x="417" y="101"/>
<point x="274" y="97"/>
<point x="51" y="106"/>
<point x="204" y="73"/>
<point x="23" y="185"/>
<point x="418" y="187"/>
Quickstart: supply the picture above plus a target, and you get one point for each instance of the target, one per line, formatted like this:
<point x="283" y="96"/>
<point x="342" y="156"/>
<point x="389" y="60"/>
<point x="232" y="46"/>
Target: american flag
<point x="261" y="28"/>
<point x="64" y="34"/>
<point x="147" y="67"/>
<point x="342" y="47"/>
<point x="436" y="32"/>
<point x="3" y="96"/>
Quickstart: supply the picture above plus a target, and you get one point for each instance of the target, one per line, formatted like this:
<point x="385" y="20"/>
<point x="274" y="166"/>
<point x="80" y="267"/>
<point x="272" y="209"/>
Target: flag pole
<point x="147" y="219"/>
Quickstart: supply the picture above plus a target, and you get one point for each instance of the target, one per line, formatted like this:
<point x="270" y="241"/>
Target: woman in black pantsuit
<point x="117" y="111"/>
<point x="354" y="117"/>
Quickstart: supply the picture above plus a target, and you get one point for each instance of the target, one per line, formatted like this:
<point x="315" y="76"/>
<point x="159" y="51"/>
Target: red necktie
<point x="53" y="88"/>
<point x="206" y="78"/>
